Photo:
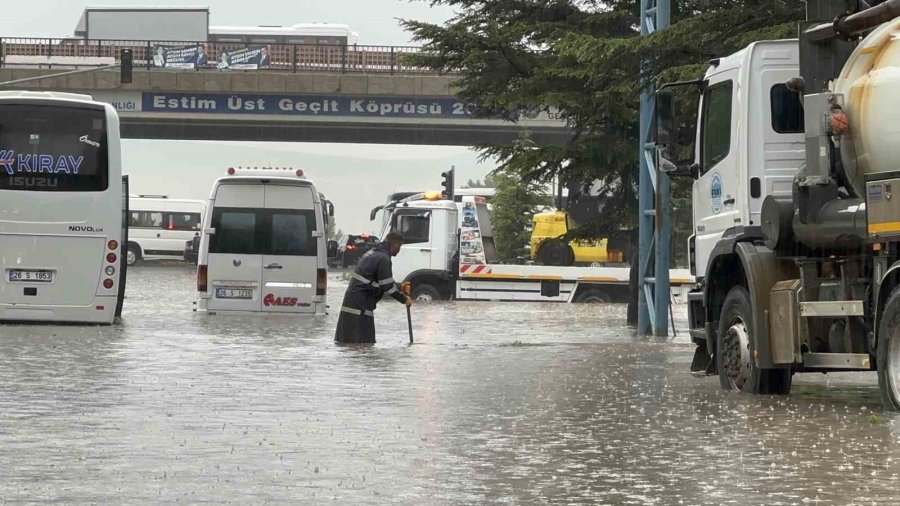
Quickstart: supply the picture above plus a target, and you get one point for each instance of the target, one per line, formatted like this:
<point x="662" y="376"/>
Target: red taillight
<point x="321" y="281"/>
<point x="111" y="258"/>
<point x="201" y="278"/>
<point x="113" y="245"/>
<point x="351" y="247"/>
<point x="107" y="283"/>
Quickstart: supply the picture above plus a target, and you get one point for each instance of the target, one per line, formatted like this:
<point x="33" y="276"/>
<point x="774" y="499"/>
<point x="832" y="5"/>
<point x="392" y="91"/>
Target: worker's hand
<point x="406" y="287"/>
<point x="409" y="301"/>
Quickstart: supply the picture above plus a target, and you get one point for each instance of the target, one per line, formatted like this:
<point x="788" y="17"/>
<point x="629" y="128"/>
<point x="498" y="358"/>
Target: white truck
<point x="796" y="242"/>
<point x="449" y="254"/>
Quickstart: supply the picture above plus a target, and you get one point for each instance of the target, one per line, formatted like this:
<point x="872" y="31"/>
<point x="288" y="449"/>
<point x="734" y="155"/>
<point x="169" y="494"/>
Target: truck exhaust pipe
<point x="849" y="27"/>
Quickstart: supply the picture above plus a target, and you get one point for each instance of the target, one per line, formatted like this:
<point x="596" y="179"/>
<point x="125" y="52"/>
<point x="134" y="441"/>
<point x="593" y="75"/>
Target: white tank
<point x="870" y="84"/>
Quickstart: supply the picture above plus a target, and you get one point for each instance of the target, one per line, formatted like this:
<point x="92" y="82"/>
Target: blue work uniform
<point x="372" y="280"/>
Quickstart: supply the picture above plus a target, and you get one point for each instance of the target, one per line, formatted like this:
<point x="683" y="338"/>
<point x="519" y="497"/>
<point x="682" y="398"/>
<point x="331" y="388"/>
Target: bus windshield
<point x="53" y="148"/>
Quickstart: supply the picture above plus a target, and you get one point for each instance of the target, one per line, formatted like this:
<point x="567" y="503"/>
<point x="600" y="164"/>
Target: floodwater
<point x="495" y="403"/>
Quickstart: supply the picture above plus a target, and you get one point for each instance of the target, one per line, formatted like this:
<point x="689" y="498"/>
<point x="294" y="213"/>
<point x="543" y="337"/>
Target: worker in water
<point x="372" y="280"/>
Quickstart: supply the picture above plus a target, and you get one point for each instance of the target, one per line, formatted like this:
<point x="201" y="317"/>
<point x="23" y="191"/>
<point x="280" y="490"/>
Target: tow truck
<point x="449" y="254"/>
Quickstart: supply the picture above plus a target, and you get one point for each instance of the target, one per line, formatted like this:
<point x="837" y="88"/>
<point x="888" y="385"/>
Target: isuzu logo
<point x="236" y="262"/>
<point x="33" y="182"/>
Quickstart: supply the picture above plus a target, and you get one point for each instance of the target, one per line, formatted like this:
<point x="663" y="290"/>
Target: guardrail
<point x="77" y="53"/>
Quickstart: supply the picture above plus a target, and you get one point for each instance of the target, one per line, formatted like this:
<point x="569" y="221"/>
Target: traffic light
<point x="126" y="62"/>
<point x="448" y="192"/>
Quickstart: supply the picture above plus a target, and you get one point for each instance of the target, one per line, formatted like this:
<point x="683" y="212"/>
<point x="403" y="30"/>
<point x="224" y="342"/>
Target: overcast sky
<point x="374" y="20"/>
<point x="355" y="177"/>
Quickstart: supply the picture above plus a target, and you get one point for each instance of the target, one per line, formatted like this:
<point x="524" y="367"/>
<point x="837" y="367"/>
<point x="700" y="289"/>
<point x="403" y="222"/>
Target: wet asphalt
<point x="496" y="403"/>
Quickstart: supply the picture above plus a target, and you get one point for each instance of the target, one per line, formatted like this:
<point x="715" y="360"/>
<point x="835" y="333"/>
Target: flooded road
<point x="495" y="403"/>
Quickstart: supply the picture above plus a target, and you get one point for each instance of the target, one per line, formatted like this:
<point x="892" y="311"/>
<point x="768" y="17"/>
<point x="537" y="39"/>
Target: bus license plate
<point x="26" y="276"/>
<point x="234" y="293"/>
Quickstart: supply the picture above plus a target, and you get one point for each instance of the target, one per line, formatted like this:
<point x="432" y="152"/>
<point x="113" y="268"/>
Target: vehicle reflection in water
<point x="520" y="403"/>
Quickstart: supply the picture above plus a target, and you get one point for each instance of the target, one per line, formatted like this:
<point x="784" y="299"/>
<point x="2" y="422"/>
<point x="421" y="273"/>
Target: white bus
<point x="263" y="245"/>
<point x="61" y="209"/>
<point x="158" y="227"/>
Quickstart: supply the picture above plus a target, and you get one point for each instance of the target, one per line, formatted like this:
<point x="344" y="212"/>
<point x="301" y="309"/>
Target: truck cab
<point x="795" y="242"/>
<point x="429" y="229"/>
<point x="749" y="142"/>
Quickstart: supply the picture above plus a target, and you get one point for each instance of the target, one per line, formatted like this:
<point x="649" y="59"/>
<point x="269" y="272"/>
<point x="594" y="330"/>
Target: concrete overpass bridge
<point x="362" y="104"/>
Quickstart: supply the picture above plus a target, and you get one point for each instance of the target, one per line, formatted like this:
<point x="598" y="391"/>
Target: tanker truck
<point x="796" y="234"/>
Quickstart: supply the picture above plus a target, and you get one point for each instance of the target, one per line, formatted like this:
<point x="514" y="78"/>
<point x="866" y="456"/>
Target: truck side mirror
<point x="375" y="212"/>
<point x="330" y="209"/>
<point x="665" y="117"/>
<point x="332" y="249"/>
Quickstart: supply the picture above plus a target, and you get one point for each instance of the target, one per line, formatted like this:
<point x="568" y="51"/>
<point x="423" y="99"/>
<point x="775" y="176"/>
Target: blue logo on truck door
<point x="715" y="193"/>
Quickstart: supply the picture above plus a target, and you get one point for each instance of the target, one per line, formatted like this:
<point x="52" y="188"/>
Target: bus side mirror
<point x="330" y="209"/>
<point x="332" y="249"/>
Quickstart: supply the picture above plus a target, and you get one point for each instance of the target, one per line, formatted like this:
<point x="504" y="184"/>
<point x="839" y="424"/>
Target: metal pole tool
<point x="407" y="288"/>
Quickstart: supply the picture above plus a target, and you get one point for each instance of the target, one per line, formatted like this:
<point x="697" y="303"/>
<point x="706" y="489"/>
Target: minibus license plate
<point x="24" y="276"/>
<point x="234" y="293"/>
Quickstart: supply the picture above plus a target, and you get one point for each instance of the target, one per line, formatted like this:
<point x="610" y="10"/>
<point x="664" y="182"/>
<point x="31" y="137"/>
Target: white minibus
<point x="159" y="226"/>
<point x="263" y="245"/>
<point x="61" y="209"/>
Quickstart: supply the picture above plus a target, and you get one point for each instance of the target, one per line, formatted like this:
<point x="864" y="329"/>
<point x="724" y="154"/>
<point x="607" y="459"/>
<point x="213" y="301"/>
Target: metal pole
<point x="653" y="201"/>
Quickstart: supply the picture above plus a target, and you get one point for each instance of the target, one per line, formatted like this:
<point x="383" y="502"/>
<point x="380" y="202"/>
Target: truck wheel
<point x="555" y="252"/>
<point x="888" y="353"/>
<point x="425" y="293"/>
<point x="133" y="255"/>
<point x="592" y="296"/>
<point x="737" y="368"/>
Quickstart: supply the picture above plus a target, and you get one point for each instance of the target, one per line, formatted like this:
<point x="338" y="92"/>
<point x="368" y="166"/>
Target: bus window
<point x="236" y="231"/>
<point x="146" y="219"/>
<point x="292" y="233"/>
<point x="52" y="148"/>
<point x="183" y="221"/>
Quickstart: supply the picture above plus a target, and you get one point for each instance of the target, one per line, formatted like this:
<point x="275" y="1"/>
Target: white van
<point x="159" y="226"/>
<point x="263" y="244"/>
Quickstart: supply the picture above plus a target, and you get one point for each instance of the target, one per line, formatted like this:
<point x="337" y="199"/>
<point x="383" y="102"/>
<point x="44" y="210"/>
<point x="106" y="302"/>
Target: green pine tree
<point x="514" y="203"/>
<point x="583" y="58"/>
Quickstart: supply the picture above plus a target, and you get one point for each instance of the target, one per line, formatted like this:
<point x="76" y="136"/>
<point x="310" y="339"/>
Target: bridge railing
<point x="78" y="53"/>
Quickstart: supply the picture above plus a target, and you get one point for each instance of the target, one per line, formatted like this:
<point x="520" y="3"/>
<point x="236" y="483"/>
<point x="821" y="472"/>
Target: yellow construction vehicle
<point x="548" y="249"/>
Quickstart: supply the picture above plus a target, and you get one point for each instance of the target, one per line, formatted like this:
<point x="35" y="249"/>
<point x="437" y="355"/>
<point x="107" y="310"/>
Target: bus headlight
<point x="110" y="270"/>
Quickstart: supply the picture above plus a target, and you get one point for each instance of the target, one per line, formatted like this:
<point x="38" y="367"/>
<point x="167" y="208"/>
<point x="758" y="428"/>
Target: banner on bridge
<point x="180" y="57"/>
<point x="303" y="106"/>
<point x="249" y="58"/>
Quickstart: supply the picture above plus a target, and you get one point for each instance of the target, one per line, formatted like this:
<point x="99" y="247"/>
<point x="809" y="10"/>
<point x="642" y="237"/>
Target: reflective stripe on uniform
<point x="357" y="312"/>
<point x="392" y="290"/>
<point x="388" y="281"/>
<point x="362" y="279"/>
